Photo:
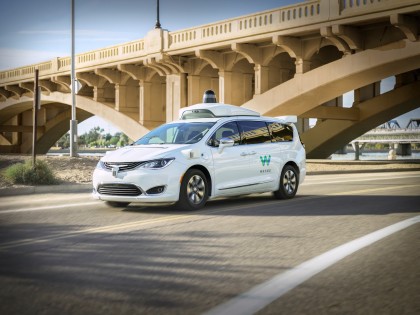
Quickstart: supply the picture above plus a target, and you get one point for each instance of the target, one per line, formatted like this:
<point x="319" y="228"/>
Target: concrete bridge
<point x="298" y="59"/>
<point x="398" y="138"/>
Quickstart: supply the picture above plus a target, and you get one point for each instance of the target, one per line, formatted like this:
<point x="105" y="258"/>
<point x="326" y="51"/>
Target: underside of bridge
<point x="330" y="135"/>
<point x="361" y="72"/>
<point x="294" y="61"/>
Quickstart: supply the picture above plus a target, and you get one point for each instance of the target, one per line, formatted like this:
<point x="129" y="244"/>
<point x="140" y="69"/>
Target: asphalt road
<point x="69" y="254"/>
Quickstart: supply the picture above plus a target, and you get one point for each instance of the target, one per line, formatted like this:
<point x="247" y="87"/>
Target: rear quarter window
<point x="280" y="132"/>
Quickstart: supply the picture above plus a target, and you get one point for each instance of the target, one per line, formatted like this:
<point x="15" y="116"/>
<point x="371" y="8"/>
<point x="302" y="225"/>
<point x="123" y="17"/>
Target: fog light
<point x="156" y="190"/>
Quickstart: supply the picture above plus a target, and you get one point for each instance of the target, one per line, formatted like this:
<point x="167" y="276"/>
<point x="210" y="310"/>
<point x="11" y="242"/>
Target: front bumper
<point x="133" y="186"/>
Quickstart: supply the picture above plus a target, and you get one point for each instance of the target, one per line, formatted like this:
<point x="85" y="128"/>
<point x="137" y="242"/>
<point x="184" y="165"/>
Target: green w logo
<point x="265" y="160"/>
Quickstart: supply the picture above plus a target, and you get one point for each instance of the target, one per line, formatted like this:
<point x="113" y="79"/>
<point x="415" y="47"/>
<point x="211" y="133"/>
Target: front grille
<point x="119" y="190"/>
<point x="122" y="166"/>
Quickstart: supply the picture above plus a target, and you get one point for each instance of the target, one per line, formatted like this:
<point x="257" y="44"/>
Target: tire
<point x="289" y="182"/>
<point x="194" y="191"/>
<point x="116" y="204"/>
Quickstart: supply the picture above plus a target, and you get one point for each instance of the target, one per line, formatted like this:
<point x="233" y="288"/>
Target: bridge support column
<point x="357" y="147"/>
<point x="302" y="66"/>
<point x="226" y="87"/>
<point x="145" y="102"/>
<point x="16" y="136"/>
<point x="98" y="94"/>
<point x="126" y="98"/>
<point x="404" y="149"/>
<point x="302" y="125"/>
<point x="176" y="95"/>
<point x="194" y="92"/>
<point x="356" y="151"/>
<point x="262" y="79"/>
<point x="235" y="88"/>
<point x="151" y="104"/>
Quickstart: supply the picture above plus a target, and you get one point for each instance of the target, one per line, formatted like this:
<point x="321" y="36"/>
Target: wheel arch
<point x="295" y="166"/>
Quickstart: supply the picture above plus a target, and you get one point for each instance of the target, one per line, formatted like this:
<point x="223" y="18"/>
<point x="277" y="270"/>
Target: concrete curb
<point x="28" y="190"/>
<point x="393" y="170"/>
<point x="361" y="162"/>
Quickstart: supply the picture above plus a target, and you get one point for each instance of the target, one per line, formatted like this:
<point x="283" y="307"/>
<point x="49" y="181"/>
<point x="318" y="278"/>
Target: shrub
<point x="24" y="173"/>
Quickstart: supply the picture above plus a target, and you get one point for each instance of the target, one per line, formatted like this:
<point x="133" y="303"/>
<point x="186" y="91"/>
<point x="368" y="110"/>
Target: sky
<point x="36" y="31"/>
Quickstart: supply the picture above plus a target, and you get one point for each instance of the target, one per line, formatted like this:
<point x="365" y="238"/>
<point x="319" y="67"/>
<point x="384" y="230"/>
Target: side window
<point x="280" y="132"/>
<point x="228" y="130"/>
<point x="253" y="132"/>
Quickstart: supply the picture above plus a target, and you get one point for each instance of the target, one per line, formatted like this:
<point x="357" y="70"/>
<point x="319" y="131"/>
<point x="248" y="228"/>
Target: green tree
<point x="93" y="137"/>
<point x="114" y="140"/>
<point x="124" y="140"/>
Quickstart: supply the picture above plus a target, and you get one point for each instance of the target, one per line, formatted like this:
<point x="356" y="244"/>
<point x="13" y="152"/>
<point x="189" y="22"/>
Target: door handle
<point x="244" y="154"/>
<point x="252" y="153"/>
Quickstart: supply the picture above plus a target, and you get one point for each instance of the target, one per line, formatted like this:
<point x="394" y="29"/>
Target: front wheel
<point x="194" y="190"/>
<point x="289" y="182"/>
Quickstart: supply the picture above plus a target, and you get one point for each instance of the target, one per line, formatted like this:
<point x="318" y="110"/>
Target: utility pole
<point x="35" y="117"/>
<point x="73" y="122"/>
<point x="157" y="25"/>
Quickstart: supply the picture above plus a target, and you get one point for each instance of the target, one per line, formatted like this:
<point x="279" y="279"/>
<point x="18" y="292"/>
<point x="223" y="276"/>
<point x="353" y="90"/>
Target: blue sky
<point x="36" y="31"/>
<point x="32" y="31"/>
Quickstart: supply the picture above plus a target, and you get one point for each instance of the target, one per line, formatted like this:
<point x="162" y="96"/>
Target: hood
<point x="141" y="153"/>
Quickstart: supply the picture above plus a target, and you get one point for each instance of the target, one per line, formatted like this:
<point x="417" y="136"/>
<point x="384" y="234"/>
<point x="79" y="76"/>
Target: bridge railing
<point x="352" y="7"/>
<point x="279" y="19"/>
<point x="91" y="58"/>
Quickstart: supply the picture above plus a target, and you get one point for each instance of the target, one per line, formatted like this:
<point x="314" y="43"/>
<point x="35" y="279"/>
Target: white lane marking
<point x="262" y="295"/>
<point x="69" y="205"/>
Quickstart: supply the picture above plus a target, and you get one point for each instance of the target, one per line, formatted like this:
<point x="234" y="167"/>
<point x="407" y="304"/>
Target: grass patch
<point x="25" y="174"/>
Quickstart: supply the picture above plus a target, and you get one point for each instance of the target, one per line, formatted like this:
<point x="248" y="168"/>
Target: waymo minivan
<point x="213" y="150"/>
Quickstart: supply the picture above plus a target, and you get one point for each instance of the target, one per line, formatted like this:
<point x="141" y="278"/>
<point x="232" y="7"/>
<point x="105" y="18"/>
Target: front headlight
<point x="100" y="166"/>
<point x="157" y="164"/>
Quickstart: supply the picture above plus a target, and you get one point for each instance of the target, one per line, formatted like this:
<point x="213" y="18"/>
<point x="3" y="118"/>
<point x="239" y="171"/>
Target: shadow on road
<point x="301" y="205"/>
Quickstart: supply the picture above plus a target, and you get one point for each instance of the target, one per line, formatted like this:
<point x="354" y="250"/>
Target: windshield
<point x="177" y="133"/>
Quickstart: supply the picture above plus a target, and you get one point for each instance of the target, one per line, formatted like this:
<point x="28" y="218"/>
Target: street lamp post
<point x="157" y="25"/>
<point x="73" y="122"/>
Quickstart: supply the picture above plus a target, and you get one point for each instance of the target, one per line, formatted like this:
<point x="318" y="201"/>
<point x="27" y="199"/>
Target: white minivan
<point x="214" y="150"/>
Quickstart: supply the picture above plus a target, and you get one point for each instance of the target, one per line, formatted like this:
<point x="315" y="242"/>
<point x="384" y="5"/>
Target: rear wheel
<point x="117" y="204"/>
<point x="289" y="182"/>
<point x="194" y="190"/>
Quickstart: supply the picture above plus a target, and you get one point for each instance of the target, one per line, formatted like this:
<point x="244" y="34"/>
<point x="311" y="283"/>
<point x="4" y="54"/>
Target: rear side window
<point x="228" y="130"/>
<point x="254" y="132"/>
<point x="280" y="132"/>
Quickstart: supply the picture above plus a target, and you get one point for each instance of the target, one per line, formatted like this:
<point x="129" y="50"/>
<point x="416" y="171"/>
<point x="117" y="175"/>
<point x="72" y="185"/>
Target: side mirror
<point x="224" y="143"/>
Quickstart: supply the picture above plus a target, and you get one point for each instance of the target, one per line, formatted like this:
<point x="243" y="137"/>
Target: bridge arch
<point x="58" y="125"/>
<point x="324" y="55"/>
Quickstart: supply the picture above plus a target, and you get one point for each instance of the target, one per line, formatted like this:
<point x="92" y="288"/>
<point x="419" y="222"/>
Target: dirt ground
<point x="79" y="170"/>
<point x="67" y="170"/>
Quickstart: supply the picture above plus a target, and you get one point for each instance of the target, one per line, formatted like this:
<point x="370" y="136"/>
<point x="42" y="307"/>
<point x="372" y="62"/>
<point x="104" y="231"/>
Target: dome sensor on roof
<point x="209" y="97"/>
